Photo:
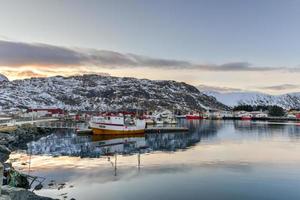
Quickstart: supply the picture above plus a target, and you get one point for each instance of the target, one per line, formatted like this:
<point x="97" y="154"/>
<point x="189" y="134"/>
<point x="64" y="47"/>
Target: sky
<point x="242" y="44"/>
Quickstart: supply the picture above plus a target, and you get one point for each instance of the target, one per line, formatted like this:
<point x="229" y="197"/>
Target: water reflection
<point x="68" y="143"/>
<point x="214" y="160"/>
<point x="268" y="128"/>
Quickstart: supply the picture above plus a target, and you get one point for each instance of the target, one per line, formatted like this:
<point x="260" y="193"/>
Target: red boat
<point x="194" y="117"/>
<point x="246" y="118"/>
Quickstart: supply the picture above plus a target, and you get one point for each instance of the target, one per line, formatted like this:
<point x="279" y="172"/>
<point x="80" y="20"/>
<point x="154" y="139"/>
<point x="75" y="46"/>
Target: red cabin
<point x="49" y="110"/>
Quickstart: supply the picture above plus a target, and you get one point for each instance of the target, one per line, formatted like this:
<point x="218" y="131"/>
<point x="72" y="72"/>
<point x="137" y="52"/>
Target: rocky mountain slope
<point x="103" y="93"/>
<point x="233" y="98"/>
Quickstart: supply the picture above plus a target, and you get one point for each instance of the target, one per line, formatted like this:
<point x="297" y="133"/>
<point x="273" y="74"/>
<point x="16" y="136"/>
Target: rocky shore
<point x="13" y="193"/>
<point x="18" y="137"/>
<point x="13" y="139"/>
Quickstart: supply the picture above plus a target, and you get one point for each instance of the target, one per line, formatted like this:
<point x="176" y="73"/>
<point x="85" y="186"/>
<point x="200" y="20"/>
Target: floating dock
<point x="147" y="130"/>
<point x="263" y="118"/>
<point x="165" y="129"/>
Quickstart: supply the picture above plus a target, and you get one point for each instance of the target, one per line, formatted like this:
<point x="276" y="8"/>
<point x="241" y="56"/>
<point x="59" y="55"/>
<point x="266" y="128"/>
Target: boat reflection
<point x="96" y="138"/>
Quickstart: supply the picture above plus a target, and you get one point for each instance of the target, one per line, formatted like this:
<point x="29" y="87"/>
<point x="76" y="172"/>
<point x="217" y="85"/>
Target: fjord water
<point x="214" y="160"/>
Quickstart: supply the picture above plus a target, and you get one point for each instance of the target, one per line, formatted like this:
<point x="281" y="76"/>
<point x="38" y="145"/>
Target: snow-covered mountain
<point x="288" y="101"/>
<point x="3" y="78"/>
<point x="103" y="93"/>
<point x="233" y="97"/>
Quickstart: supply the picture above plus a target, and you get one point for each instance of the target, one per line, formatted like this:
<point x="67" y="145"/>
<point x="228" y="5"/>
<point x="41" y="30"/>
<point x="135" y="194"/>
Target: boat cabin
<point x="114" y="120"/>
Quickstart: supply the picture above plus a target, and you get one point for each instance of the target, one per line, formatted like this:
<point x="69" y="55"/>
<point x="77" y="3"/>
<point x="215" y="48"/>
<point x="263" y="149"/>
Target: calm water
<point x="214" y="160"/>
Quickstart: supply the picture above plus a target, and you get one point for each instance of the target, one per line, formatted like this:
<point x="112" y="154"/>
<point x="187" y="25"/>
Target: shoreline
<point x="16" y="138"/>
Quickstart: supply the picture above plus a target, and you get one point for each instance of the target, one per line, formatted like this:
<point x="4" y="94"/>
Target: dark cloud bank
<point x="17" y="54"/>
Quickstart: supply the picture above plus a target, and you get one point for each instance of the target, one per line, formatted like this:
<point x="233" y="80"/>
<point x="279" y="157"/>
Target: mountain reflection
<point x="68" y="143"/>
<point x="268" y="128"/>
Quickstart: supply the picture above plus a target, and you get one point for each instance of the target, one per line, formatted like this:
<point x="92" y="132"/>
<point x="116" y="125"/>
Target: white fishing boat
<point x="113" y="125"/>
<point x="165" y="117"/>
<point x="150" y="121"/>
<point x="170" y="120"/>
<point x="158" y="121"/>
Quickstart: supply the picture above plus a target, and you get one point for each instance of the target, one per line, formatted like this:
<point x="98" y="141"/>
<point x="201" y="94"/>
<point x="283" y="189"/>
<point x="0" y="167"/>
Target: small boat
<point x="194" y="116"/>
<point x="150" y="121"/>
<point x="158" y="121"/>
<point x="246" y="117"/>
<point x="170" y="121"/>
<point x="216" y="117"/>
<point x="113" y="125"/>
<point x="180" y="116"/>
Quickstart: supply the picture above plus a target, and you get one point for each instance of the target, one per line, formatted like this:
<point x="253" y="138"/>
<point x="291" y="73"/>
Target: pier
<point x="16" y="122"/>
<point x="61" y="125"/>
<point x="260" y="119"/>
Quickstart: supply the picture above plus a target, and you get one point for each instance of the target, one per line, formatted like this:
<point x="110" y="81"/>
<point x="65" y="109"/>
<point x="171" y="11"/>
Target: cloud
<point x="18" y="54"/>
<point x="29" y="73"/>
<point x="234" y="66"/>
<point x="208" y="88"/>
<point x="242" y="66"/>
<point x="147" y="61"/>
<point x="24" y="54"/>
<point x="23" y="73"/>
<point x="280" y="87"/>
<point x="35" y="54"/>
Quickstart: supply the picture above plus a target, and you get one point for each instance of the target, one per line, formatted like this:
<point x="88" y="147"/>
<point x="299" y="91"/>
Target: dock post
<point x="1" y="176"/>
<point x="139" y="160"/>
<point x="115" y="164"/>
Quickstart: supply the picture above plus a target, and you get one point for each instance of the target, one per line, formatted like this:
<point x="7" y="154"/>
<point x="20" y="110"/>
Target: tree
<point x="244" y="107"/>
<point x="276" y="111"/>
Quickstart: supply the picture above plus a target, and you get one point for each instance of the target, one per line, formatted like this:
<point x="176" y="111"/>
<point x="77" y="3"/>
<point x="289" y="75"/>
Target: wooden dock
<point x="84" y="131"/>
<point x="147" y="130"/>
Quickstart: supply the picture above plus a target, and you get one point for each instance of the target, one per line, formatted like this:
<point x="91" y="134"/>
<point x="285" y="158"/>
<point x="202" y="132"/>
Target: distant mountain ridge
<point x="3" y="78"/>
<point x="237" y="97"/>
<point x="104" y="93"/>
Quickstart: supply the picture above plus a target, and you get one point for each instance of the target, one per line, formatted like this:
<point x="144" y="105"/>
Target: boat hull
<point x="246" y="118"/>
<point x="99" y="131"/>
<point x="193" y="117"/>
<point x="116" y="126"/>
